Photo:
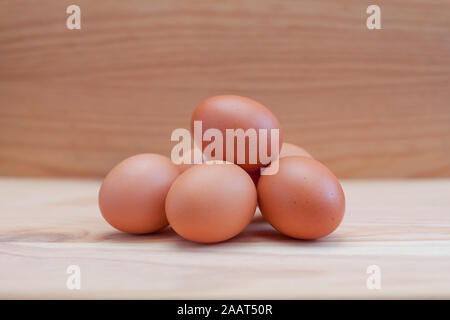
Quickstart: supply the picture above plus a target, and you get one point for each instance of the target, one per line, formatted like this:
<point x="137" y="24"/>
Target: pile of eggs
<point x="214" y="201"/>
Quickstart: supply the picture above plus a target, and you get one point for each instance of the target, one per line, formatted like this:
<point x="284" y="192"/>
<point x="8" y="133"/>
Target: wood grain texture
<point x="401" y="226"/>
<point x="366" y="103"/>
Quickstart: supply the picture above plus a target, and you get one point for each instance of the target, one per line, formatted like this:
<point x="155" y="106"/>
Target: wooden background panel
<point x="366" y="103"/>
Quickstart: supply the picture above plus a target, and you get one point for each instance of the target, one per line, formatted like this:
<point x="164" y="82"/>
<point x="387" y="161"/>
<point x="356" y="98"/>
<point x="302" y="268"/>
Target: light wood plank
<point x="402" y="226"/>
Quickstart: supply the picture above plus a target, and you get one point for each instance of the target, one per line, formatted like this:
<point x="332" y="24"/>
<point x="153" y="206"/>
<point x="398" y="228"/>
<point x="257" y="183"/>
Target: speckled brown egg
<point x="211" y="202"/>
<point x="303" y="200"/>
<point x="236" y="112"/>
<point x="132" y="195"/>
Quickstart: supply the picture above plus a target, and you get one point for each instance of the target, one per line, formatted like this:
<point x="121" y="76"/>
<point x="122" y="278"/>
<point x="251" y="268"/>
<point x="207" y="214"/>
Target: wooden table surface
<point x="403" y="226"/>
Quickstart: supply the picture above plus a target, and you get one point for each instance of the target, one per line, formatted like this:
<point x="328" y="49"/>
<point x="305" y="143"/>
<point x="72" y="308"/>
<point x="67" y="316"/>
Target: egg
<point x="289" y="149"/>
<point x="303" y="200"/>
<point x="132" y="195"/>
<point x="236" y="112"/>
<point x="211" y="202"/>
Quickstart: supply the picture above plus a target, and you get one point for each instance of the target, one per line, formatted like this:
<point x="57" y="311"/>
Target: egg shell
<point x="132" y="195"/>
<point x="289" y="150"/>
<point x="236" y="112"/>
<point x="303" y="200"/>
<point x="211" y="202"/>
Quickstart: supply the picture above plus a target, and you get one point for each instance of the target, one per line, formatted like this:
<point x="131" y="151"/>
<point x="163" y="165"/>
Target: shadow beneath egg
<point x="259" y="230"/>
<point x="159" y="236"/>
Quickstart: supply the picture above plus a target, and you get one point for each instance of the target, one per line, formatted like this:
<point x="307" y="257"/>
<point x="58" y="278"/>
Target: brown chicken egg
<point x="211" y="202"/>
<point x="303" y="200"/>
<point x="289" y="149"/>
<point x="132" y="195"/>
<point x="236" y="112"/>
